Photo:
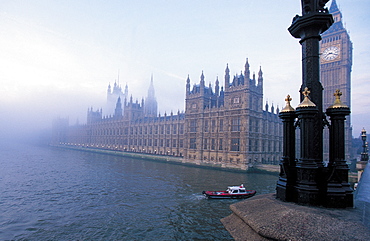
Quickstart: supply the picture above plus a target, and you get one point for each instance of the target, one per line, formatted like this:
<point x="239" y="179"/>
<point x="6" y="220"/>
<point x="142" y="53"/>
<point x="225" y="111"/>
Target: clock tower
<point x="336" y="67"/>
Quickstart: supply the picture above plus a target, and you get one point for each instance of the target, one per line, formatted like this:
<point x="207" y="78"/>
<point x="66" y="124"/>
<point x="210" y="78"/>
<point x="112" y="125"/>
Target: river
<point x="56" y="194"/>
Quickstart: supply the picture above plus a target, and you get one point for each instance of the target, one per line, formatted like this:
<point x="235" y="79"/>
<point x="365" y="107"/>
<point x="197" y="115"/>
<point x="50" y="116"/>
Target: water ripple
<point x="54" y="194"/>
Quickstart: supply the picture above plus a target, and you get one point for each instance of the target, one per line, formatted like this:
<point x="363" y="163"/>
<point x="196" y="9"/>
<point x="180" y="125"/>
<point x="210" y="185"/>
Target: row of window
<point x="163" y="129"/>
<point x="212" y="145"/>
<point x="331" y="39"/>
<point x="210" y="126"/>
<point x="267" y="146"/>
<point x="235" y="126"/>
<point x="208" y="144"/>
<point x="142" y="142"/>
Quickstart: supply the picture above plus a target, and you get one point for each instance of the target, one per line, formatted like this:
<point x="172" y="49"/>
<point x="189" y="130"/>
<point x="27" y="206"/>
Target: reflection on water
<point x="55" y="194"/>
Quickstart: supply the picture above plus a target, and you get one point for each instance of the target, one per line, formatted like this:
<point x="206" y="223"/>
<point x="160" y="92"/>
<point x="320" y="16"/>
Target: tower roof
<point x="333" y="7"/>
<point x="337" y="15"/>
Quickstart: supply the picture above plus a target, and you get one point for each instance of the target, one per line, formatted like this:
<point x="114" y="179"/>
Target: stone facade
<point x="225" y="126"/>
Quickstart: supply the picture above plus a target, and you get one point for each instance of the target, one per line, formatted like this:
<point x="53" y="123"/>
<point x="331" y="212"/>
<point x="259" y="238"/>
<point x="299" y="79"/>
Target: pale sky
<point x="58" y="57"/>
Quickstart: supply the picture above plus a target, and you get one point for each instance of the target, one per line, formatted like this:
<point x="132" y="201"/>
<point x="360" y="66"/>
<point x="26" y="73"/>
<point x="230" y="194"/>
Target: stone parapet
<point x="263" y="217"/>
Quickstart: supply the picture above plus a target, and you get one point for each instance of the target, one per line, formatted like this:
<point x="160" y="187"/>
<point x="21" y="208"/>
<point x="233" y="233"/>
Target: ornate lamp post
<point x="364" y="154"/>
<point x="360" y="165"/>
<point x="307" y="181"/>
<point x="315" y="20"/>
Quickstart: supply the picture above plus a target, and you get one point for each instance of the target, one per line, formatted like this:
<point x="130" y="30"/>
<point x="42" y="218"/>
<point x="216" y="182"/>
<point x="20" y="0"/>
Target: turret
<point x="118" y="110"/>
<point x="188" y="85"/>
<point x="217" y="87"/>
<point x="202" y="84"/>
<point x="126" y="90"/>
<point x="113" y="92"/>
<point x="109" y="89"/>
<point x="260" y="78"/>
<point x="221" y="97"/>
<point x="247" y="72"/>
<point x="151" y="105"/>
<point x="227" y="77"/>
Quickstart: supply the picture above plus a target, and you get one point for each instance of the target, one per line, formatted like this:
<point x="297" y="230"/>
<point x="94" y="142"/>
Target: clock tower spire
<point x="334" y="10"/>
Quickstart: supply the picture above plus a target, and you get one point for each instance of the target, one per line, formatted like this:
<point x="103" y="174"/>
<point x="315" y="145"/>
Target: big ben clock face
<point x="330" y="53"/>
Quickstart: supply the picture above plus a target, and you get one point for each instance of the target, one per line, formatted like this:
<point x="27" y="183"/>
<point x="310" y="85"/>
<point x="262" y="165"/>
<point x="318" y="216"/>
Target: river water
<point x="55" y="194"/>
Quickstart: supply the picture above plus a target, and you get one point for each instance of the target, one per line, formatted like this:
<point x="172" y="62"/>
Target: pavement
<point x="263" y="217"/>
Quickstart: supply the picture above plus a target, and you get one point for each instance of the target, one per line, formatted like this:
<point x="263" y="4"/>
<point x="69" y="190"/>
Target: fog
<point x="57" y="58"/>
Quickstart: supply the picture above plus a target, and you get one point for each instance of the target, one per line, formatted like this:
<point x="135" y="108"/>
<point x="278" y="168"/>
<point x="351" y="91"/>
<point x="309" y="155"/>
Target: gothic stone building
<point x="225" y="126"/>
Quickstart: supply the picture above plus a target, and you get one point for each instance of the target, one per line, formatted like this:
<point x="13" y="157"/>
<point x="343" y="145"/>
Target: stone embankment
<point x="161" y="158"/>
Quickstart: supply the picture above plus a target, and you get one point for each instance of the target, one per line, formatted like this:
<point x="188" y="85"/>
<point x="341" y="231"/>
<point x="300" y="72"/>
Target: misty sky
<point x="58" y="57"/>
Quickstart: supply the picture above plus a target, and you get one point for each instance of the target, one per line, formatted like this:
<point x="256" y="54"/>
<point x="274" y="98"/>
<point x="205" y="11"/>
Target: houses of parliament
<point x="226" y="126"/>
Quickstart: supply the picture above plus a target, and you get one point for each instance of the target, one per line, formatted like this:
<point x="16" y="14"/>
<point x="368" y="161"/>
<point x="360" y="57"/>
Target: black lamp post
<point x="308" y="181"/>
<point x="364" y="154"/>
<point x="315" y="20"/>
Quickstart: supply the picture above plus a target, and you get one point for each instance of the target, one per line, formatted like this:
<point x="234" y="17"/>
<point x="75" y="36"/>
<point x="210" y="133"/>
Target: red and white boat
<point x="231" y="192"/>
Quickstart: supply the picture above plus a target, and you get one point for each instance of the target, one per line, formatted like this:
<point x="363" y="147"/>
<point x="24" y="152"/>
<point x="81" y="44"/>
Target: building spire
<point x="151" y="105"/>
<point x="188" y="85"/>
<point x="260" y="77"/>
<point x="126" y="91"/>
<point x="202" y="79"/>
<point x="217" y="87"/>
<point x="247" y="74"/>
<point x="151" y="92"/>
<point x="118" y="110"/>
<point x="333" y="7"/>
<point x="227" y="77"/>
<point x="337" y="15"/>
<point x="109" y="89"/>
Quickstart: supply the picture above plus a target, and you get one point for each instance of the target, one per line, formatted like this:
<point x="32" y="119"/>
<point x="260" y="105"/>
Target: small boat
<point x="231" y="192"/>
